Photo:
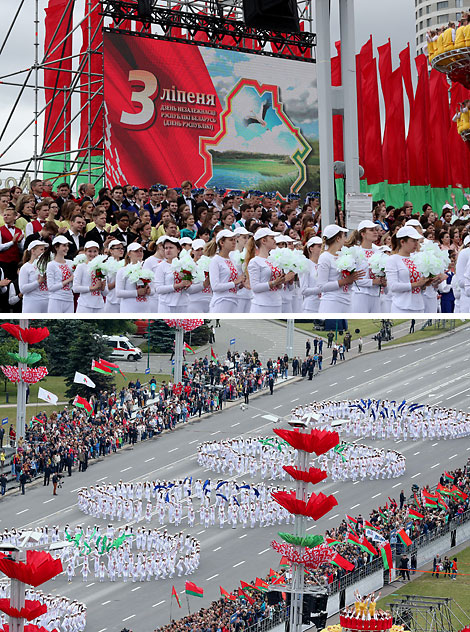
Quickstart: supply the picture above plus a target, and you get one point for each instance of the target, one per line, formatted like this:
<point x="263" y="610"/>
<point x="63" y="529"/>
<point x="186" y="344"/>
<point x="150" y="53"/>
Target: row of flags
<point x="191" y="589"/>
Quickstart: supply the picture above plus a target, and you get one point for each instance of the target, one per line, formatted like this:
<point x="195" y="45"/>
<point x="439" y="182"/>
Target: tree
<point x="57" y="345"/>
<point x="161" y="337"/>
<point x="83" y="347"/>
<point x="10" y="345"/>
<point x="114" y="326"/>
<point x="198" y="337"/>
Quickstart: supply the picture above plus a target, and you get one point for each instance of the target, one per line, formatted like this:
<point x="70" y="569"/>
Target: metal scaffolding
<point x="217" y="19"/>
<point x="428" y="614"/>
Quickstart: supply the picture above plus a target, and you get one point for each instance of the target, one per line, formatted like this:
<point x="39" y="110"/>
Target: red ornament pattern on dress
<point x="94" y="279"/>
<point x="65" y="275"/>
<point x="233" y="274"/>
<point x="275" y="274"/>
<point x="43" y="286"/>
<point x="368" y="253"/>
<point x="208" y="289"/>
<point x="345" y="274"/>
<point x="414" y="274"/>
<point x="178" y="279"/>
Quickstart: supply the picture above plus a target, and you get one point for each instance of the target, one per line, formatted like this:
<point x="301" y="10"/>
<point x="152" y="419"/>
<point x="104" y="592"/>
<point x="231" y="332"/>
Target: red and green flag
<point x="384" y="515"/>
<point x="250" y="600"/>
<point x="272" y="574"/>
<point x="351" y="519"/>
<point x="246" y="586"/>
<point x="448" y="476"/>
<point x="213" y="354"/>
<point x="191" y="589"/>
<point x="340" y="561"/>
<point x="284" y="563"/>
<point x="261" y="585"/>
<point x="387" y="557"/>
<point x="226" y="594"/>
<point x="416" y="499"/>
<point x="111" y="365"/>
<point x="415" y="514"/>
<point x="81" y="402"/>
<point x="371" y="526"/>
<point x="99" y="367"/>
<point x="456" y="491"/>
<point x="187" y="348"/>
<point x="404" y="537"/>
<point x="175" y="595"/>
<point x="361" y="543"/>
<point x="36" y="420"/>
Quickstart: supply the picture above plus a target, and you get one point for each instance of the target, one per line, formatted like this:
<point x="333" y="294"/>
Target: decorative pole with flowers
<point x="302" y="506"/>
<point x="181" y="326"/>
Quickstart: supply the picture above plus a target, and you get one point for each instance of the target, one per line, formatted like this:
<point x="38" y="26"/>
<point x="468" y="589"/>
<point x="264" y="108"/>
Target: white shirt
<point x="399" y="285"/>
<point x="56" y="273"/>
<point x="82" y="282"/>
<point x="219" y="274"/>
<point x="309" y="287"/>
<point x="260" y="274"/>
<point x="328" y="280"/>
<point x="29" y="284"/>
<point x="165" y="288"/>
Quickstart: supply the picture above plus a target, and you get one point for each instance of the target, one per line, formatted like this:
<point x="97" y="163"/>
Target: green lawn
<point x="263" y="166"/>
<point x="367" y="327"/>
<point x="429" y="332"/>
<point x="425" y="585"/>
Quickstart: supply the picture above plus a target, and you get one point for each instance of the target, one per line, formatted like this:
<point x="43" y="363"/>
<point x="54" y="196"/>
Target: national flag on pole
<point x="226" y="594"/>
<point x="111" y="365"/>
<point x="284" y="563"/>
<point x="47" y="396"/>
<point x="351" y="519"/>
<point x="81" y="378"/>
<point x="387" y="557"/>
<point x="404" y="537"/>
<point x="99" y="367"/>
<point x="175" y="595"/>
<point x="191" y="589"/>
<point x="241" y="593"/>
<point x="245" y="585"/>
<point x="261" y="585"/>
<point x="81" y="402"/>
<point x="417" y="501"/>
<point x="213" y="354"/>
<point x="448" y="476"/>
<point x="272" y="574"/>
<point x="361" y="543"/>
<point x="37" y="420"/>
<point x="187" y="348"/>
<point x="415" y="514"/>
<point x="370" y="526"/>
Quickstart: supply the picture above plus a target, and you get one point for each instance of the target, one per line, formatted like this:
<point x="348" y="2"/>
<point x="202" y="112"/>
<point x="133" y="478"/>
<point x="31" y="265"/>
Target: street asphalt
<point x="432" y="372"/>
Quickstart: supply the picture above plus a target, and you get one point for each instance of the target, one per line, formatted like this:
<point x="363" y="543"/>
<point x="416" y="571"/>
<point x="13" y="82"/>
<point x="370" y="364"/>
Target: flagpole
<point x="187" y="599"/>
<point x="171" y="605"/>
<point x="179" y="341"/>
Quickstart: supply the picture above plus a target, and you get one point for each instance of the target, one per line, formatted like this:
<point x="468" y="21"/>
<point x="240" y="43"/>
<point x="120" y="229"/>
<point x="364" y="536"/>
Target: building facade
<point x="429" y="14"/>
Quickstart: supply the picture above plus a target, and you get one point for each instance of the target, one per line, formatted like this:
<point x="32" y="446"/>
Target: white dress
<point x="152" y="263"/>
<point x="35" y="294"/>
<point x="365" y="297"/>
<point x="89" y="301"/>
<point x="334" y="299"/>
<point x="222" y="274"/>
<point x="126" y="292"/>
<point x="265" y="299"/>
<point x="309" y="288"/>
<point x="244" y="294"/>
<point x="60" y="297"/>
<point x="171" y="301"/>
<point x="401" y="272"/>
<point x="461" y="267"/>
<point x="112" y="305"/>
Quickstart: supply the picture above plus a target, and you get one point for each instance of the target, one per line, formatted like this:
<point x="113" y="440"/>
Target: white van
<point x="122" y="348"/>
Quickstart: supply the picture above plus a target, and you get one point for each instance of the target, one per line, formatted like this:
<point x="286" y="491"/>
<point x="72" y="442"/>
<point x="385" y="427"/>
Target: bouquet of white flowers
<point x="348" y="260"/>
<point x="185" y="265"/>
<point x="113" y="265"/>
<point x="377" y="263"/>
<point x="80" y="258"/>
<point x="136" y="274"/>
<point x="288" y="260"/>
<point x="430" y="260"/>
<point x="238" y="257"/>
<point x="202" y="269"/>
<point x="99" y="266"/>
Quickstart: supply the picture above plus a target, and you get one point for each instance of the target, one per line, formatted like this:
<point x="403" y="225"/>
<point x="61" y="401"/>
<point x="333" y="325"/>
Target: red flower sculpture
<point x="30" y="610"/>
<point x="313" y="475"/>
<point x="40" y="567"/>
<point x="188" y="324"/>
<point x="29" y="375"/>
<point x="28" y="628"/>
<point x="31" y="335"/>
<point x="316" y="507"/>
<point x="318" y="441"/>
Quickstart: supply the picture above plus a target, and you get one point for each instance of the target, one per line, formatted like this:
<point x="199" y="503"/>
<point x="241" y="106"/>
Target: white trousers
<point x="265" y="309"/>
<point x="364" y="303"/>
<point x="329" y="306"/>
<point x="59" y="307"/>
<point x="243" y="305"/>
<point x="222" y="306"/>
<point x="111" y="308"/>
<point x="32" y="305"/>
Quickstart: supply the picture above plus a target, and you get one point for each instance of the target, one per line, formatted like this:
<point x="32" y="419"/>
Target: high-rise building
<point x="429" y="14"/>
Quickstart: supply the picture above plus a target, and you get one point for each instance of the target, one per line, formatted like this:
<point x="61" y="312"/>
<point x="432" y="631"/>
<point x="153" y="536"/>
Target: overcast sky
<point x="382" y="18"/>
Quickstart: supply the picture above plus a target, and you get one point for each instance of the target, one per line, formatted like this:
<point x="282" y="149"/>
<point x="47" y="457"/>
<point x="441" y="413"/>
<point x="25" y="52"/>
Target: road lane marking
<point x="212" y="577"/>
<point x="367" y="370"/>
<point x="276" y="407"/>
<point x="334" y="384"/>
<point x="239" y="564"/>
<point x="453" y="456"/>
<point x="106" y="602"/>
<point x="433" y="444"/>
<point x="174" y="449"/>
<point x="134" y="589"/>
<point x="354" y="506"/>
<point x="397" y="485"/>
<point x="294" y="400"/>
<point x="190" y="443"/>
<point x="151" y="459"/>
<point x="377" y="495"/>
<point x="92" y="584"/>
<point x="159" y="603"/>
<point x="47" y="501"/>
<point x="126" y="468"/>
<point x="416" y="453"/>
<point x="199" y="532"/>
<point x="217" y="549"/>
<point x="233" y="425"/>
<point x="418" y="474"/>
<point x="102" y="478"/>
<point x="387" y="362"/>
<point x="243" y="536"/>
<point x="263" y="551"/>
<point x="332" y="517"/>
<point x="131" y="616"/>
<point x="23" y="511"/>
<point x="435" y="465"/>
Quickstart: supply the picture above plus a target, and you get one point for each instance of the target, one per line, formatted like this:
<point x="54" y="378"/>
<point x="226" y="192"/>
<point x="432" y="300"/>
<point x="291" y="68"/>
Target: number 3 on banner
<point x="144" y="97"/>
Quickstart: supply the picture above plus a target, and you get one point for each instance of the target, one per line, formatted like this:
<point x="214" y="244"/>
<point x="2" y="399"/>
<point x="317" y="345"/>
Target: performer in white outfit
<point x="152" y="263"/>
<point x="265" y="278"/>
<point x="244" y="294"/>
<point x="200" y="293"/>
<point x="463" y="259"/>
<point x="365" y="293"/>
<point x="59" y="273"/>
<point x="88" y="285"/>
<point x="116" y="253"/>
<point x="169" y="284"/>
<point x="404" y="281"/>
<point x="133" y="297"/>
<point x="223" y="274"/>
<point x="309" y="280"/>
<point x="31" y="282"/>
<point x="287" y="290"/>
<point x="429" y="293"/>
<point x="335" y="287"/>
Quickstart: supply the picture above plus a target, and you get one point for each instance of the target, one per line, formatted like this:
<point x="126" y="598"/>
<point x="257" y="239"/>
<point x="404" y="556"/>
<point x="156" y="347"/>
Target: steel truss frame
<point x="427" y="614"/>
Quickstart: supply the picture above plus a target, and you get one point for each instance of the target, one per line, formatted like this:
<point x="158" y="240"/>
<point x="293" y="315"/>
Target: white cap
<point x="91" y="244"/>
<point x="413" y="222"/>
<point x="408" y="231"/>
<point x="283" y="239"/>
<point x="465" y="207"/>
<point x="385" y="248"/>
<point x="333" y="229"/>
<point x="134" y="246"/>
<point x="186" y="240"/>
<point x="172" y="239"/>
<point x="60" y="239"/>
<point x="264" y="232"/>
<point x="447" y="206"/>
<point x="198" y="243"/>
<point x="36" y="242"/>
<point x="366" y="223"/>
<point x="223" y="233"/>
<point x="241" y="230"/>
<point x="161" y="239"/>
<point x="466" y="241"/>
<point x="115" y="242"/>
<point x="314" y="240"/>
